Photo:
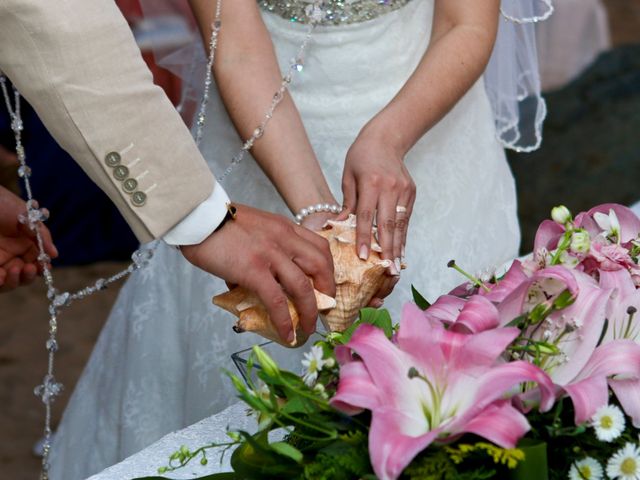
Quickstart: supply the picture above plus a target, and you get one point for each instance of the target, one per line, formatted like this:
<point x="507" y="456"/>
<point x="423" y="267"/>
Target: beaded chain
<point x="50" y="388"/>
<point x="316" y="14"/>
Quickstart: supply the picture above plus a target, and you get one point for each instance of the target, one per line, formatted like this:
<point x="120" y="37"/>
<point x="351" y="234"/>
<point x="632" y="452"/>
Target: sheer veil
<point x="512" y="77"/>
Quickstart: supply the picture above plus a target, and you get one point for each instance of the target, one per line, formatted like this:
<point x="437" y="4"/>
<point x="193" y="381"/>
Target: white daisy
<point x="586" y="469"/>
<point x="608" y="422"/>
<point x="313" y="364"/>
<point x="625" y="463"/>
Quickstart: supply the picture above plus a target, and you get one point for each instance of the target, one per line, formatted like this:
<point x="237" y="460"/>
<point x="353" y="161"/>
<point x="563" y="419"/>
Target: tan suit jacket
<point x="77" y="63"/>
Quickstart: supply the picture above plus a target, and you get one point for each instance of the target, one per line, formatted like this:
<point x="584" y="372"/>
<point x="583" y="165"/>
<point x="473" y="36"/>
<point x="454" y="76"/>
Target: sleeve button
<point x="129" y="185"/>
<point x="139" y="198"/>
<point x="120" y="172"/>
<point x="112" y="159"/>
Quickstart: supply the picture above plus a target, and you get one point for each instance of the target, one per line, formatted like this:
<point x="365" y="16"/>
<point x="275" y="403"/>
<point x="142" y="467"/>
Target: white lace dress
<point x="158" y="363"/>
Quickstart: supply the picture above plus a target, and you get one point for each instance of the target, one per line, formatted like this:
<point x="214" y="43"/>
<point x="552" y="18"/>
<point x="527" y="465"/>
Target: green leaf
<point x="419" y="300"/>
<point x="563" y="300"/>
<point x="284" y="449"/>
<point x="517" y="322"/>
<point x="255" y="459"/>
<point x="378" y="318"/>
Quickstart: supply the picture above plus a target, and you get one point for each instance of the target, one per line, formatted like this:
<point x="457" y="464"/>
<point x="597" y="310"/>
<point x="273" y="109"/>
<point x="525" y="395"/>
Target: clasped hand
<point x="18" y="244"/>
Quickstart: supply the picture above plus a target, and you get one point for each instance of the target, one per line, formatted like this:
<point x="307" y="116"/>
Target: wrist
<point x="386" y="134"/>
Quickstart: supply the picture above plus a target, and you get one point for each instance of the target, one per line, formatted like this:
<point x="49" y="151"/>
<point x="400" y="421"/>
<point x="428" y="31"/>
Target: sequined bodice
<point x="335" y="12"/>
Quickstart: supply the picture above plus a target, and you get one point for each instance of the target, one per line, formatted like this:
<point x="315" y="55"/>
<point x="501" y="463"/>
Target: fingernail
<point x="398" y="265"/>
<point x="393" y="270"/>
<point x="402" y="252"/>
<point x="290" y="337"/>
<point x="55" y="251"/>
<point x="364" y="252"/>
<point x="378" y="303"/>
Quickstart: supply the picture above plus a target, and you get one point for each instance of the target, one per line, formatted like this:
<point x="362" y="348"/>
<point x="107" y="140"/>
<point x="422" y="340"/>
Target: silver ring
<point x="401" y="209"/>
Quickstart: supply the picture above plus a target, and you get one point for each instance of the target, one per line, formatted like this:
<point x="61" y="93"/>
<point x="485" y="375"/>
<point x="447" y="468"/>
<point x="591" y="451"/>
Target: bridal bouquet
<point x="532" y="375"/>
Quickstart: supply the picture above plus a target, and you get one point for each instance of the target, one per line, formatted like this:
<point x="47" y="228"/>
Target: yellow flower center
<point x="629" y="466"/>
<point x="606" y="422"/>
<point x="585" y="472"/>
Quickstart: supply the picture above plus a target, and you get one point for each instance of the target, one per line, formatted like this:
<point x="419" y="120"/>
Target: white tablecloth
<point x="209" y="430"/>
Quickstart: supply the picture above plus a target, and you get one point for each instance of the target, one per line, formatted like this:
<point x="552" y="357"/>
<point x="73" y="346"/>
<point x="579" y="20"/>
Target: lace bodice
<point x="337" y="12"/>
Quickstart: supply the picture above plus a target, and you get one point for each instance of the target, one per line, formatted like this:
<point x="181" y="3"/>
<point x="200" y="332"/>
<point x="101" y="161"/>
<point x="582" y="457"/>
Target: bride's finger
<point x="365" y="210"/>
<point x="410" y="204"/>
<point x="386" y="229"/>
<point x="401" y="225"/>
<point x="349" y="196"/>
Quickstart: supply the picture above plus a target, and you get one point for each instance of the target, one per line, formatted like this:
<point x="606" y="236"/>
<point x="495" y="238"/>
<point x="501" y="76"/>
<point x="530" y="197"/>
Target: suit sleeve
<point x="77" y="63"/>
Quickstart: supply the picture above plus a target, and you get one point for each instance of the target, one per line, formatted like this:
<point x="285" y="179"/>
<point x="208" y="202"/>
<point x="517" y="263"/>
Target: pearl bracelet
<point x="317" y="208"/>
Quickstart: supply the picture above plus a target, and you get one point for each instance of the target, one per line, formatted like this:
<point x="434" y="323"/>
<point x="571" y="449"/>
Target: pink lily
<point x="624" y="324"/>
<point x="628" y="222"/>
<point x="542" y="287"/>
<point x="588" y="390"/>
<point x="432" y="385"/>
<point x="471" y="315"/>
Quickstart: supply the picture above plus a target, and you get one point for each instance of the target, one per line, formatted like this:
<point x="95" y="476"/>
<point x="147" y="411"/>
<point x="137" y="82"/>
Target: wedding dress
<point x="157" y="365"/>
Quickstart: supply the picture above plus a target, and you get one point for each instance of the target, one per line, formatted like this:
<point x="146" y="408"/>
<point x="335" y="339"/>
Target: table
<point x="212" y="429"/>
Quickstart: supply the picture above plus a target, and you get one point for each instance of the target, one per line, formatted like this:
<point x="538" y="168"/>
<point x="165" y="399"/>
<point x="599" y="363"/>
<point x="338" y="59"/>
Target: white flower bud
<point x="560" y="214"/>
<point x="580" y="242"/>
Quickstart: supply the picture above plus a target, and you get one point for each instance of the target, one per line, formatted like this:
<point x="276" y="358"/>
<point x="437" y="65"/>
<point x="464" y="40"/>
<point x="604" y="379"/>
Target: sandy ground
<point x="23" y="332"/>
<point x="23" y="326"/>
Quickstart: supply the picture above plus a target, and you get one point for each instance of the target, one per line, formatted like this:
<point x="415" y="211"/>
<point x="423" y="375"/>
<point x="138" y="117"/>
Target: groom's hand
<point x="273" y="257"/>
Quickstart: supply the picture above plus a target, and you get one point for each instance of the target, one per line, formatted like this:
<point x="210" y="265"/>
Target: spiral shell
<point x="356" y="283"/>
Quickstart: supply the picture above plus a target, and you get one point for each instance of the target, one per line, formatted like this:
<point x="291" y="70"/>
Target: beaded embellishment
<point x="337" y="12"/>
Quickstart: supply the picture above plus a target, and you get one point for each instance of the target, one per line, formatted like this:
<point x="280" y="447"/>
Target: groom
<point x="76" y="62"/>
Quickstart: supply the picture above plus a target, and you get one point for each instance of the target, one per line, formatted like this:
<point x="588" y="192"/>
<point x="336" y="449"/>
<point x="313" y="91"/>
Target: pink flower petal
<point x="619" y="279"/>
<point x="588" y="390"/>
<point x="548" y="234"/>
<point x="589" y="313"/>
<point x="445" y="309"/>
<point x="499" y="423"/>
<point x="587" y="396"/>
<point x="514" y="277"/>
<point x="629" y="222"/>
<point x="390" y="450"/>
<point x="431" y="344"/>
<point x="477" y="315"/>
<point x="356" y="390"/>
<point x="495" y="382"/>
<point x="628" y="393"/>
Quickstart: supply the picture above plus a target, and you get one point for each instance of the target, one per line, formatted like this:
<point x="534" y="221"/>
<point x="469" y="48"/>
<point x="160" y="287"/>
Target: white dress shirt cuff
<point x="202" y="221"/>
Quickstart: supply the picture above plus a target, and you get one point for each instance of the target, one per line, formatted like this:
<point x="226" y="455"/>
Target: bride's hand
<point x="377" y="186"/>
<point x="316" y="221"/>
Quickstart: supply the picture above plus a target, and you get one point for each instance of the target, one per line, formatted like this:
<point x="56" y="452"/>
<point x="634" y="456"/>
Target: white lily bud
<point x="580" y="242"/>
<point x="560" y="214"/>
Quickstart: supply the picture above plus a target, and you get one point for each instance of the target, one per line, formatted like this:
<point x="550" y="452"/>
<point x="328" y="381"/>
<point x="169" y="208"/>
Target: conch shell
<point x="253" y="317"/>
<point x="356" y="282"/>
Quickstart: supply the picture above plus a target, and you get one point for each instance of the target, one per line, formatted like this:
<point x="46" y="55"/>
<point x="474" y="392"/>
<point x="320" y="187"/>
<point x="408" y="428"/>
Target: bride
<point x="390" y="109"/>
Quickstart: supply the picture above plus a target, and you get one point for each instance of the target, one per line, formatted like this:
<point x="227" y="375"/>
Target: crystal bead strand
<point x="315" y="14"/>
<point x="50" y="387"/>
<point x="213" y="46"/>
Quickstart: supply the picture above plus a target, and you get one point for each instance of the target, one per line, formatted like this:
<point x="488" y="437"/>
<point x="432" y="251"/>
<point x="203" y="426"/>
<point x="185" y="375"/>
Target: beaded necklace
<point x="50" y="388"/>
